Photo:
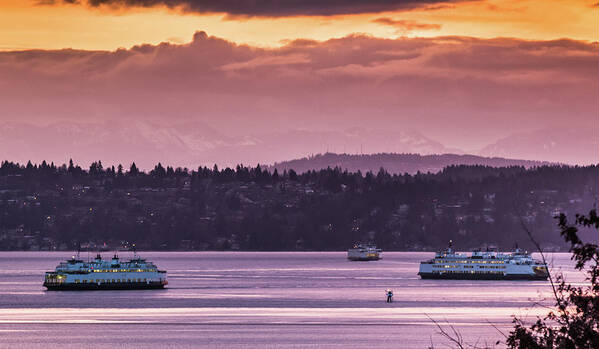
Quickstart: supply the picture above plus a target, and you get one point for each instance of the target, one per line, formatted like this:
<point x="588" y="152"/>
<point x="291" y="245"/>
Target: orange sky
<point x="24" y="24"/>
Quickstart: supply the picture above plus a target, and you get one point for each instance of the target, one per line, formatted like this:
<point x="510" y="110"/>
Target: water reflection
<point x="318" y="294"/>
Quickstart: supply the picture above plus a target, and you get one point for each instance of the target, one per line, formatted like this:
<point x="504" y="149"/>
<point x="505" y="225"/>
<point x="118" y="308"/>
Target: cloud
<point x="404" y="26"/>
<point x="455" y="89"/>
<point x="271" y="8"/>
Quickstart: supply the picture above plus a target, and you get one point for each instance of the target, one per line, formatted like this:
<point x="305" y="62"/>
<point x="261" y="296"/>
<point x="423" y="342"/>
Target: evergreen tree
<point x="158" y="171"/>
<point x="292" y="175"/>
<point x="133" y="171"/>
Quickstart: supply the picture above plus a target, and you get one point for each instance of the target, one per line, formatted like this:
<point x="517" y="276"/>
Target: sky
<point x="463" y="73"/>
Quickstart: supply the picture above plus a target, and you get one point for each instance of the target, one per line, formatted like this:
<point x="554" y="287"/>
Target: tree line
<point x="252" y="208"/>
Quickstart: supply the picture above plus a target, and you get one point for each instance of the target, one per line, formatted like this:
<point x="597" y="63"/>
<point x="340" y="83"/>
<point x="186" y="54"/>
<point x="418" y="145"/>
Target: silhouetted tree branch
<point x="576" y="325"/>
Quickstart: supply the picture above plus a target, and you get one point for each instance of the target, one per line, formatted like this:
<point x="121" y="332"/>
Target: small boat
<point x="99" y="274"/>
<point x="361" y="252"/>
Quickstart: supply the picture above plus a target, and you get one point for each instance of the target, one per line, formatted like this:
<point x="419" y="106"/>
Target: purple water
<point x="262" y="300"/>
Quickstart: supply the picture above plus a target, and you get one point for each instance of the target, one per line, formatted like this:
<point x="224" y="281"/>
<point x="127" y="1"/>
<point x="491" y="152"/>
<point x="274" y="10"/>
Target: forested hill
<point x="47" y="207"/>
<point x="396" y="163"/>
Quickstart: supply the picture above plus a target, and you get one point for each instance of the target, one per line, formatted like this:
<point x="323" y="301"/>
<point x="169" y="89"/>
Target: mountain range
<point x="578" y="146"/>
<point x="191" y="144"/>
<point x="194" y="143"/>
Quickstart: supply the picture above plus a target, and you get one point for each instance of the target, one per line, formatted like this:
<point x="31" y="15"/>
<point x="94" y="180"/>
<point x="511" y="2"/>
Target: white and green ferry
<point x="483" y="265"/>
<point x="99" y="274"/>
<point x="362" y="252"/>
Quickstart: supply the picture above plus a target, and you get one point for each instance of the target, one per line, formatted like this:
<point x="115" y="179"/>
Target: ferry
<point x="361" y="252"/>
<point x="483" y="265"/>
<point x="99" y="274"/>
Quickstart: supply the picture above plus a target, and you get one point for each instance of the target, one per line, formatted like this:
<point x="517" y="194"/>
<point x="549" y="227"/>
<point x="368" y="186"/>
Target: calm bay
<point x="264" y="300"/>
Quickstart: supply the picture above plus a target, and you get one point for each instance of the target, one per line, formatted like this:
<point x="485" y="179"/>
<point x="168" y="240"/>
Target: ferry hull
<point x="104" y="286"/>
<point x="468" y="276"/>
<point x="363" y="259"/>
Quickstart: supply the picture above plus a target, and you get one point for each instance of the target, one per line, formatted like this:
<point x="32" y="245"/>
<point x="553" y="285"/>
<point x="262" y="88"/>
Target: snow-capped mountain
<point x="113" y="143"/>
<point x="568" y="146"/>
<point x="192" y="144"/>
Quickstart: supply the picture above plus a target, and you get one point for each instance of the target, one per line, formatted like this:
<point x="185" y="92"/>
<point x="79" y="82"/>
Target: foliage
<point x="575" y="322"/>
<point x="250" y="208"/>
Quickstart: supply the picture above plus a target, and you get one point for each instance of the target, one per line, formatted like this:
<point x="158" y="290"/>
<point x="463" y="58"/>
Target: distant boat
<point x="483" y="265"/>
<point x="99" y="274"/>
<point x="361" y="252"/>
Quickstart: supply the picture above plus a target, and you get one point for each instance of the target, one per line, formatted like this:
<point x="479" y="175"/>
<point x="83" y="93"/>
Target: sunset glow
<point x="29" y="24"/>
<point x="463" y="73"/>
<point x="299" y="173"/>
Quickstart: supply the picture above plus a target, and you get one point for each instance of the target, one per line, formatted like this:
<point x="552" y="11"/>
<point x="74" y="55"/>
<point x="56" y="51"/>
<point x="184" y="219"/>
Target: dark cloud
<point x="272" y="8"/>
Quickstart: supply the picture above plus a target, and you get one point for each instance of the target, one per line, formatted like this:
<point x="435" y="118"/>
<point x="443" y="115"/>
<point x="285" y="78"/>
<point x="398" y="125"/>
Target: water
<point x="264" y="300"/>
